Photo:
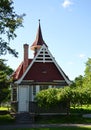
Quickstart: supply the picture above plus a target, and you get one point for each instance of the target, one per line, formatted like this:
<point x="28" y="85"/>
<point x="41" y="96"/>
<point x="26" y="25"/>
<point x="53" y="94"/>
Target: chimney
<point x="25" y="64"/>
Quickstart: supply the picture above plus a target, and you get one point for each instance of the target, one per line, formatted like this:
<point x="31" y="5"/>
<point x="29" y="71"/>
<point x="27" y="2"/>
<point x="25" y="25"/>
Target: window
<point x="34" y="90"/>
<point x="43" y="87"/>
<point x="14" y="94"/>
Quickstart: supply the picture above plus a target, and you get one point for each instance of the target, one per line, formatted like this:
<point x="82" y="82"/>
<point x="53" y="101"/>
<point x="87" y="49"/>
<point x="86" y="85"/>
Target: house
<point x="35" y="74"/>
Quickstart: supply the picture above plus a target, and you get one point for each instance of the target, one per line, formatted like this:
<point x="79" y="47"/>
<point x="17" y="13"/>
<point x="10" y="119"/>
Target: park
<point x="39" y="94"/>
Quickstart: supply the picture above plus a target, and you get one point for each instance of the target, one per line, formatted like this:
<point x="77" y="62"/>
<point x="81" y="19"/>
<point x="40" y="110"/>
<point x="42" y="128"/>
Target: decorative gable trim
<point x="44" y="56"/>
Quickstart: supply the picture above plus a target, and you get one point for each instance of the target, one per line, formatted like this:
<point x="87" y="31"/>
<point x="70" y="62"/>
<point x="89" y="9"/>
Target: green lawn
<point x="6" y="119"/>
<point x="3" y="108"/>
<point x="75" y="117"/>
<point x="81" y="110"/>
<point x="63" y="119"/>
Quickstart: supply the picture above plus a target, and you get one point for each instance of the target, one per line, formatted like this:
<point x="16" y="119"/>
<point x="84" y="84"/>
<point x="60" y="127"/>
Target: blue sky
<point x="66" y="29"/>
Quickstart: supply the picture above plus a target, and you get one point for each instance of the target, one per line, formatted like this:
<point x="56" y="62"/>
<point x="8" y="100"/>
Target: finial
<point x="39" y="20"/>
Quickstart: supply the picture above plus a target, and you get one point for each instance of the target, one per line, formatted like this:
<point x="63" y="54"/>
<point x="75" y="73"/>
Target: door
<point x="23" y="99"/>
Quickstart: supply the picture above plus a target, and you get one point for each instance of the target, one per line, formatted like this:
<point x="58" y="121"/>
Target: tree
<point x="87" y="76"/>
<point x="78" y="82"/>
<point x="6" y="69"/>
<point x="9" y="22"/>
<point x="5" y="72"/>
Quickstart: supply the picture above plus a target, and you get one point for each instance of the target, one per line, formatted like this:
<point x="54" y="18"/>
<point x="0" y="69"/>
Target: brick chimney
<point x="25" y="64"/>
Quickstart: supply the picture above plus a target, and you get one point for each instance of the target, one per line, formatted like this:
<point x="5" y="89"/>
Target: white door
<point x="23" y="99"/>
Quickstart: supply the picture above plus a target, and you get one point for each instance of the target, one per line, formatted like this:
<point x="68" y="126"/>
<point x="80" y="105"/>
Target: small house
<point x="35" y="74"/>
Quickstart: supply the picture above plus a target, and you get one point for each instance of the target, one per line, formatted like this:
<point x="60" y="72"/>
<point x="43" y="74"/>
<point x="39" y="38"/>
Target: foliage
<point x="78" y="93"/>
<point x="83" y="81"/>
<point x="5" y="72"/>
<point x="9" y="22"/>
<point x="82" y="87"/>
<point x="87" y="76"/>
<point x="80" y="97"/>
<point x="78" y="82"/>
<point x="74" y="96"/>
<point x="47" y="98"/>
<point x="53" y="96"/>
<point x="3" y="67"/>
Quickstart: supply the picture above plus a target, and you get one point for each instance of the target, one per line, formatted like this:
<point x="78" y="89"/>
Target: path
<point x="11" y="127"/>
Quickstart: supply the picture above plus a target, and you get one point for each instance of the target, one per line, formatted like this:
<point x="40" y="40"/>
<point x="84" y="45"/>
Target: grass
<point x="63" y="119"/>
<point x="81" y="110"/>
<point x="3" y="108"/>
<point x="6" y="119"/>
<point x="75" y="117"/>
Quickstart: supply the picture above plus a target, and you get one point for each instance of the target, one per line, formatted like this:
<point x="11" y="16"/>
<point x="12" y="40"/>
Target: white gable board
<point x="44" y="56"/>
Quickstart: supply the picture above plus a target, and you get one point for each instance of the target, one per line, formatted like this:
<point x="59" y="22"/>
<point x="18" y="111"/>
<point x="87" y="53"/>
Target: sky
<point x="66" y="29"/>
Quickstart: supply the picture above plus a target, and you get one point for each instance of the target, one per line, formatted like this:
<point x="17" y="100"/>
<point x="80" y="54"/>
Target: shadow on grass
<point x="62" y="119"/>
<point x="80" y="110"/>
<point x="6" y="119"/>
<point x="75" y="117"/>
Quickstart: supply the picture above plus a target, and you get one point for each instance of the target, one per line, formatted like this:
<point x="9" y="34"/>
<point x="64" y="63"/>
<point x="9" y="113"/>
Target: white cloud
<point x="67" y="3"/>
<point x="82" y="56"/>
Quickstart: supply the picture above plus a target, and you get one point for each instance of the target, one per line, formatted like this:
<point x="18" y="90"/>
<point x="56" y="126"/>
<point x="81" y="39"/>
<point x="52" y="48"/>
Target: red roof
<point x="43" y="72"/>
<point x="39" y="72"/>
<point x="19" y="71"/>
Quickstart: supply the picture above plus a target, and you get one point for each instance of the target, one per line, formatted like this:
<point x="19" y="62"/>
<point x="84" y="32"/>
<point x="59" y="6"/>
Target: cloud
<point x="82" y="56"/>
<point x="67" y="3"/>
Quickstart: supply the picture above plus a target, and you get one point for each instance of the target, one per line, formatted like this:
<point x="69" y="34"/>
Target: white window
<point x="34" y="90"/>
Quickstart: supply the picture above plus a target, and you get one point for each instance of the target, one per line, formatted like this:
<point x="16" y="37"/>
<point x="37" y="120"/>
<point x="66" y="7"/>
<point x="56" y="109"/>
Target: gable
<point x="43" y="72"/>
<point x="44" y="68"/>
